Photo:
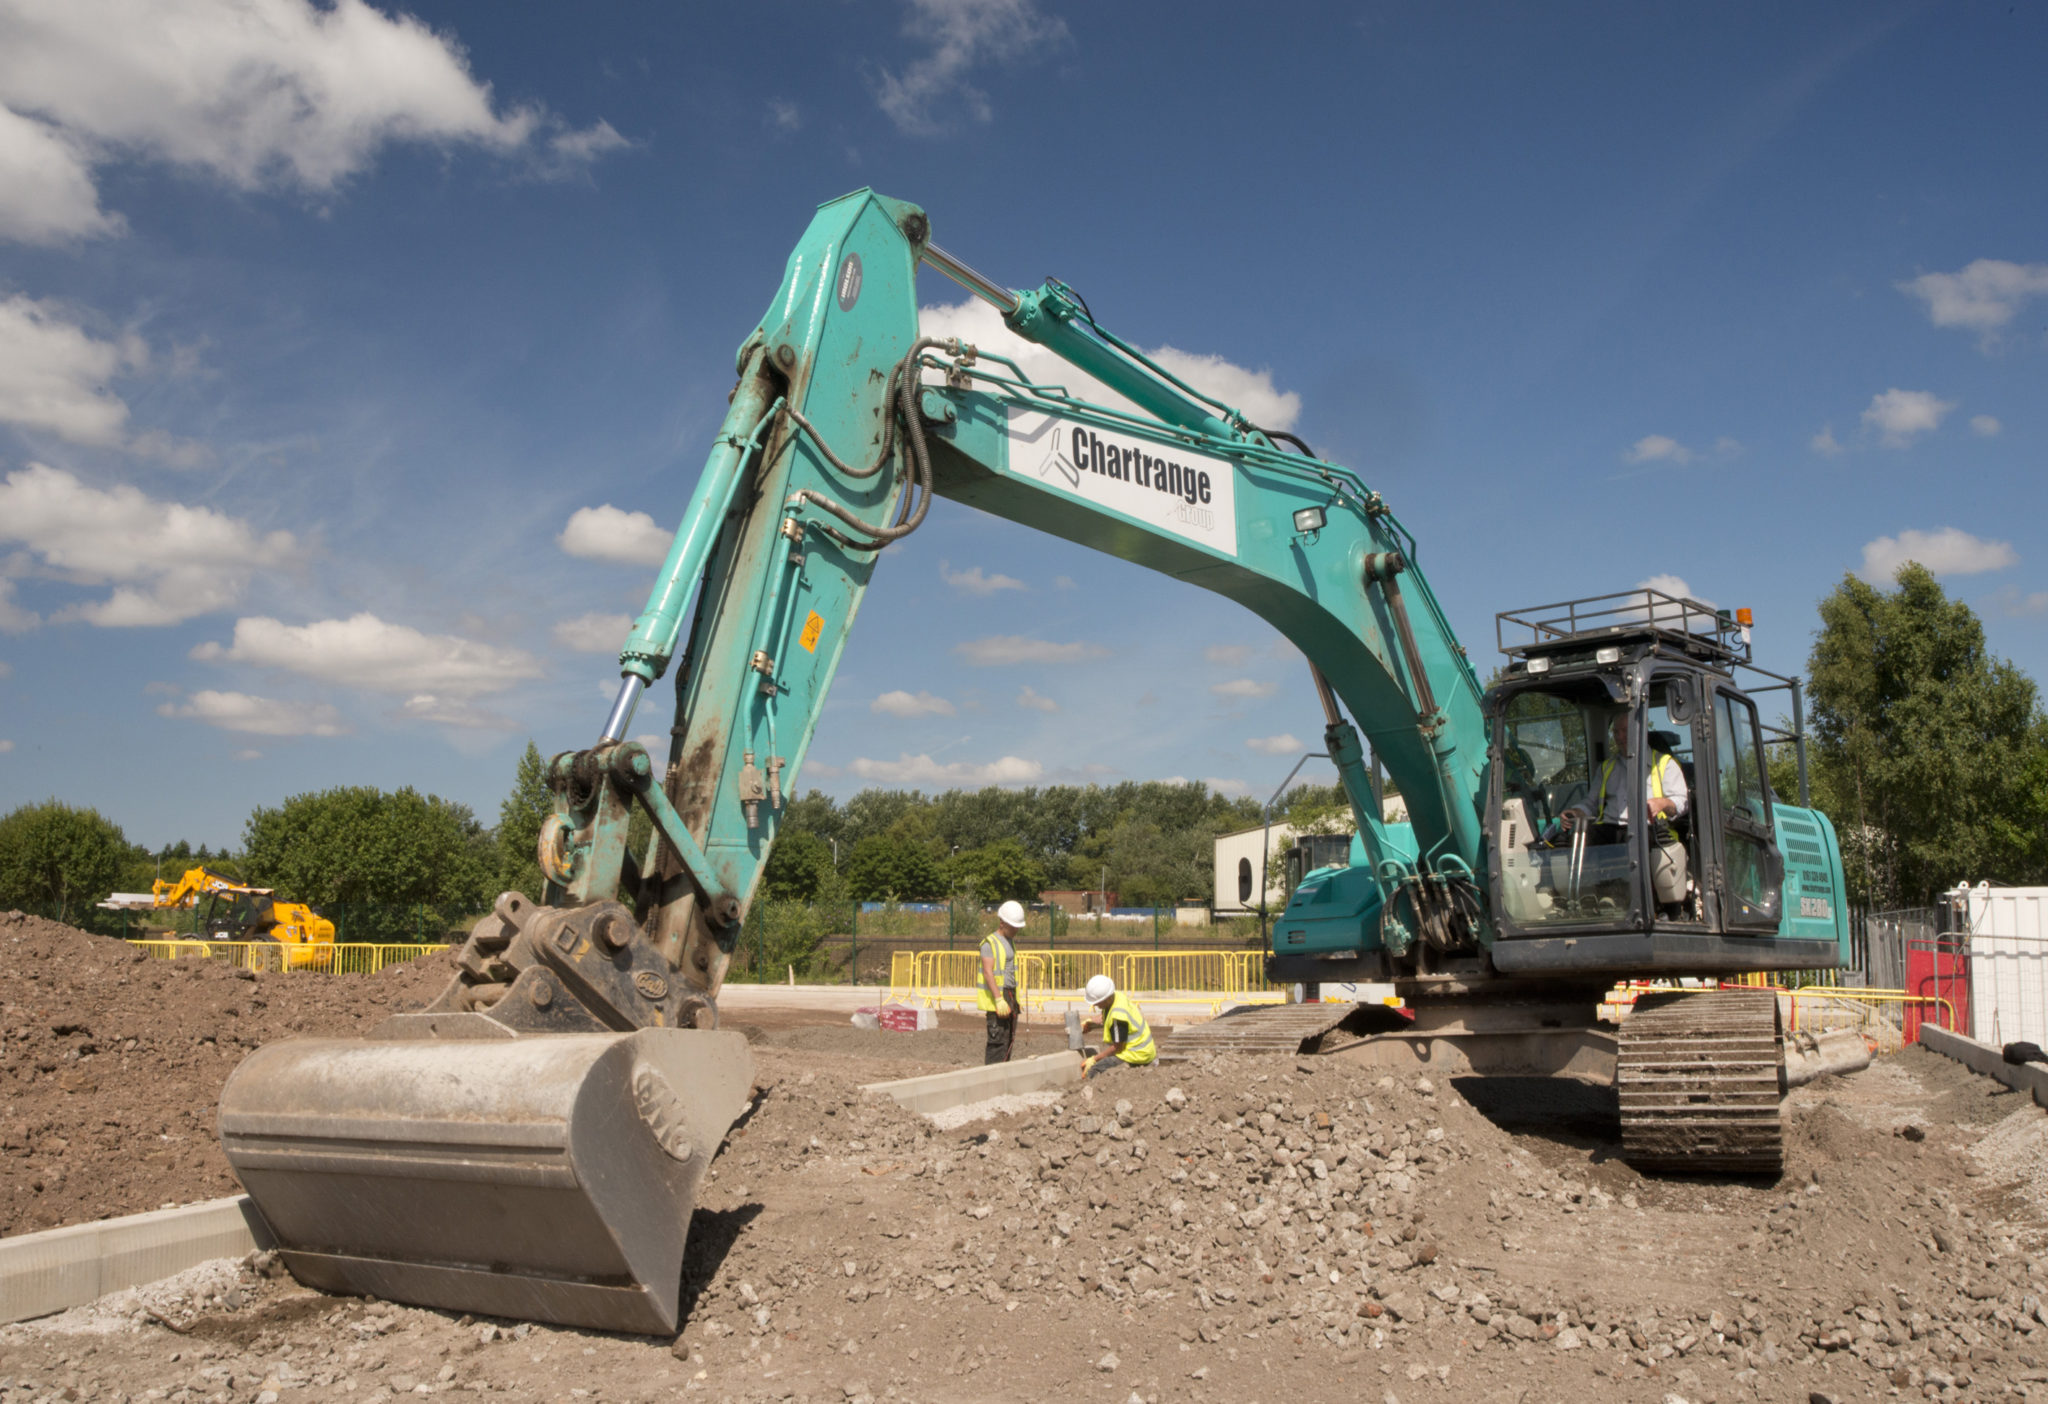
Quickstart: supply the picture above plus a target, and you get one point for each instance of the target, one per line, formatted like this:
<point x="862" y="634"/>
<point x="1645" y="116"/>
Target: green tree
<point x="519" y="820"/>
<point x="57" y="861"/>
<point x="996" y="872"/>
<point x="799" y="869"/>
<point x="1928" y="751"/>
<point x="884" y="868"/>
<point x="383" y="862"/>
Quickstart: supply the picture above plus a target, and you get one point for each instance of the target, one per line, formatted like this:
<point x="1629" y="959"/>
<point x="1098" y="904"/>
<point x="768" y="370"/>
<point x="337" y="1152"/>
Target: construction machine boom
<point x="236" y="911"/>
<point x="843" y="425"/>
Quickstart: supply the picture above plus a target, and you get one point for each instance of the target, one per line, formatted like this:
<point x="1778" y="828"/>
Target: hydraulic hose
<point x="901" y="395"/>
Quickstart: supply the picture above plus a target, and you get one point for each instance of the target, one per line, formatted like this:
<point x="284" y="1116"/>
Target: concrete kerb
<point x="2030" y="1078"/>
<point x="941" y="1091"/>
<point x="61" y="1268"/>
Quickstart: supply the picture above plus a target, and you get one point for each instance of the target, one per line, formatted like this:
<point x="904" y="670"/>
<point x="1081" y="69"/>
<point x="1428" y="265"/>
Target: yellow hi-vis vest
<point x="999" y="950"/>
<point x="1658" y="760"/>
<point x="1138" y="1047"/>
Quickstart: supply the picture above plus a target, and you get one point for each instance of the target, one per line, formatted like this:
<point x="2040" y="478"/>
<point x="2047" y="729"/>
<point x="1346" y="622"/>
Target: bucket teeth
<point x="548" y="1177"/>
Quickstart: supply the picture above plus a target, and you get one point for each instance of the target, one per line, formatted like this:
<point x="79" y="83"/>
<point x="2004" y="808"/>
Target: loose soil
<point x="1241" y="1229"/>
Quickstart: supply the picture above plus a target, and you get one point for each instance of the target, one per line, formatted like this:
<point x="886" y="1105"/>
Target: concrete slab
<point x="67" y="1267"/>
<point x="2031" y="1078"/>
<point x="941" y="1091"/>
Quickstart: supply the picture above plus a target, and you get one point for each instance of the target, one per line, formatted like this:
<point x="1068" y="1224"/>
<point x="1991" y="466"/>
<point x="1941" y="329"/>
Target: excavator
<point x="530" y="1144"/>
<point x="236" y="911"/>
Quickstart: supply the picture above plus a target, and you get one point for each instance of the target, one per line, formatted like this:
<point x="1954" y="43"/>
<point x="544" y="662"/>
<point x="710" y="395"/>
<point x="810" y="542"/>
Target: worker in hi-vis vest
<point x="997" y="994"/>
<point x="1126" y="1037"/>
<point x="1608" y="808"/>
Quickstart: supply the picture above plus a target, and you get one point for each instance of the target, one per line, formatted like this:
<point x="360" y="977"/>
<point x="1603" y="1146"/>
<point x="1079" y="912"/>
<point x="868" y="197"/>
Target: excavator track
<point x="1701" y="1083"/>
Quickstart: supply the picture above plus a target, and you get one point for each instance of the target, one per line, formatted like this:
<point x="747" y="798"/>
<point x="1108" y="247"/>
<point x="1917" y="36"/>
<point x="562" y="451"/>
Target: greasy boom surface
<point x="1232" y="1230"/>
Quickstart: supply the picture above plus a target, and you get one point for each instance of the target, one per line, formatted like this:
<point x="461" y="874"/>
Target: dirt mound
<point x="111" y="1063"/>
<point x="1228" y="1229"/>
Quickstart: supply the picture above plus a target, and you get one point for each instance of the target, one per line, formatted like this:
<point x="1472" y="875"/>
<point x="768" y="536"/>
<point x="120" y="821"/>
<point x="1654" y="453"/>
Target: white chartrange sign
<point x="1189" y="495"/>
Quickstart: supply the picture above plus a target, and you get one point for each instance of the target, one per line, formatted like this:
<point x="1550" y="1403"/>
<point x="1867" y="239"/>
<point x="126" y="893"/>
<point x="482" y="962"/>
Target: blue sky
<point x="339" y="346"/>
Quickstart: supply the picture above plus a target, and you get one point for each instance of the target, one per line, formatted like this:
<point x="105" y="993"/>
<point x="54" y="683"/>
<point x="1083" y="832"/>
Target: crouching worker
<point x="1126" y="1038"/>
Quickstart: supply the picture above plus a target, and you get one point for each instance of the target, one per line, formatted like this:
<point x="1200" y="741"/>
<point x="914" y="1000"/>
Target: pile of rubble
<point x="1237" y="1229"/>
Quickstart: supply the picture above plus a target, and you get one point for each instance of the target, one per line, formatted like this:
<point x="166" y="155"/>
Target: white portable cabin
<point x="2008" y="931"/>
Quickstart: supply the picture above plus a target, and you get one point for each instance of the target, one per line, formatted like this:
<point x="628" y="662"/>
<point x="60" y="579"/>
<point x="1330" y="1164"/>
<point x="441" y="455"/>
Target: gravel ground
<point x="1240" y="1230"/>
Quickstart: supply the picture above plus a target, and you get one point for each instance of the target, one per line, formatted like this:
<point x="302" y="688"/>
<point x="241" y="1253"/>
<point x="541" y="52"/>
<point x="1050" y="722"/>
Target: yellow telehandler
<point x="238" y="912"/>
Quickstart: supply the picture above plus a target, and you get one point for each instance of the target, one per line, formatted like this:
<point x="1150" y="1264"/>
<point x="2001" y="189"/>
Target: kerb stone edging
<point x="67" y="1267"/>
<point x="940" y="1091"/>
<point x="1982" y="1057"/>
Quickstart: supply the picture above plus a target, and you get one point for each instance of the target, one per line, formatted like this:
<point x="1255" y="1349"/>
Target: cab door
<point x="1752" y="871"/>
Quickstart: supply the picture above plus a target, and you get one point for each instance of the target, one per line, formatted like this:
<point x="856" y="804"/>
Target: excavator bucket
<point x="547" y="1177"/>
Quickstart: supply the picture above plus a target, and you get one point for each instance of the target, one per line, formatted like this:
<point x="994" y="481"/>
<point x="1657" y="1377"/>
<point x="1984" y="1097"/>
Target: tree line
<point x="1929" y="754"/>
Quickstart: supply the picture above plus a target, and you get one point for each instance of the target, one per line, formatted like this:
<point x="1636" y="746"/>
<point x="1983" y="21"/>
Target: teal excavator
<point x="530" y="1145"/>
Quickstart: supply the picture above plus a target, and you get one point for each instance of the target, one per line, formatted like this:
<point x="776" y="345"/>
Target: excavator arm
<point x="843" y="424"/>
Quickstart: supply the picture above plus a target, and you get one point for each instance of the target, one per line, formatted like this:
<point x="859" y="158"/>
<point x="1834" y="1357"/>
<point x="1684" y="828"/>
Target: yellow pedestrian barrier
<point x="326" y="957"/>
<point x="932" y="976"/>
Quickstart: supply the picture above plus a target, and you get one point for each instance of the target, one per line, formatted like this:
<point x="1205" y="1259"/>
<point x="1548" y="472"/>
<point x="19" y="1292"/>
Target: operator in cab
<point x="1126" y="1037"/>
<point x="1606" y="811"/>
<point x="997" y="993"/>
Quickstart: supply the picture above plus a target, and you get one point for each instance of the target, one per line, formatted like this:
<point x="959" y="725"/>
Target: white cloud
<point x="1226" y="787"/>
<point x="1244" y="689"/>
<point x="13" y="618"/>
<point x="1002" y="649"/>
<point x="1900" y="414"/>
<point x="974" y="582"/>
<point x="1064" y="582"/>
<point x="6" y="669"/>
<point x="1658" y="448"/>
<point x="167" y="562"/>
<point x="259" y="716"/>
<point x="366" y="652"/>
<point x="2017" y="603"/>
<point x="453" y="711"/>
<point x="1285" y="744"/>
<point x="594" y="633"/>
<point x="1227" y="655"/>
<point x="53" y="375"/>
<point x="784" y="116"/>
<point x="1947" y="551"/>
<point x="1983" y="297"/>
<point x="906" y="704"/>
<point x="1985" y="426"/>
<point x="907" y="769"/>
<point x="5" y="747"/>
<point x="1824" y="443"/>
<point x="1036" y="701"/>
<point x="609" y="534"/>
<point x="46" y="192"/>
<point x="248" y="755"/>
<point x="251" y="92"/>
<point x="963" y="34"/>
<point x="1250" y="391"/>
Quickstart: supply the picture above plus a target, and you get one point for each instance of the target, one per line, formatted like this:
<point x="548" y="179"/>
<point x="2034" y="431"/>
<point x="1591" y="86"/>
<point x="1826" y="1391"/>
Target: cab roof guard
<point x="1692" y="627"/>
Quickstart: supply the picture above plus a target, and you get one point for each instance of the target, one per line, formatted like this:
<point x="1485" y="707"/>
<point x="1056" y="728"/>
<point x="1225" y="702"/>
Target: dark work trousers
<point x="1002" y="1033"/>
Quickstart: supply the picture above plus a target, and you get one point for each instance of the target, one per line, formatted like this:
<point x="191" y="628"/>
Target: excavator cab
<point x="1630" y="796"/>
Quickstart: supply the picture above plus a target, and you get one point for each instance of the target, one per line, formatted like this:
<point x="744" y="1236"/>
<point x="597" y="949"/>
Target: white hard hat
<point x="1099" y="988"/>
<point x="1011" y="914"/>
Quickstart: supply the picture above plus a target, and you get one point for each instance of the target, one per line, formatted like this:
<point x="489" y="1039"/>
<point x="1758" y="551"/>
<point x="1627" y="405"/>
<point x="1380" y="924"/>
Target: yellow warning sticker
<point x="813" y="626"/>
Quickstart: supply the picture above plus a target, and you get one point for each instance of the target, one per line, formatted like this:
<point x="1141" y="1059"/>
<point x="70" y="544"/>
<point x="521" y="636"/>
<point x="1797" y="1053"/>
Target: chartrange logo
<point x="1188" y="495"/>
<point x="1056" y="459"/>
